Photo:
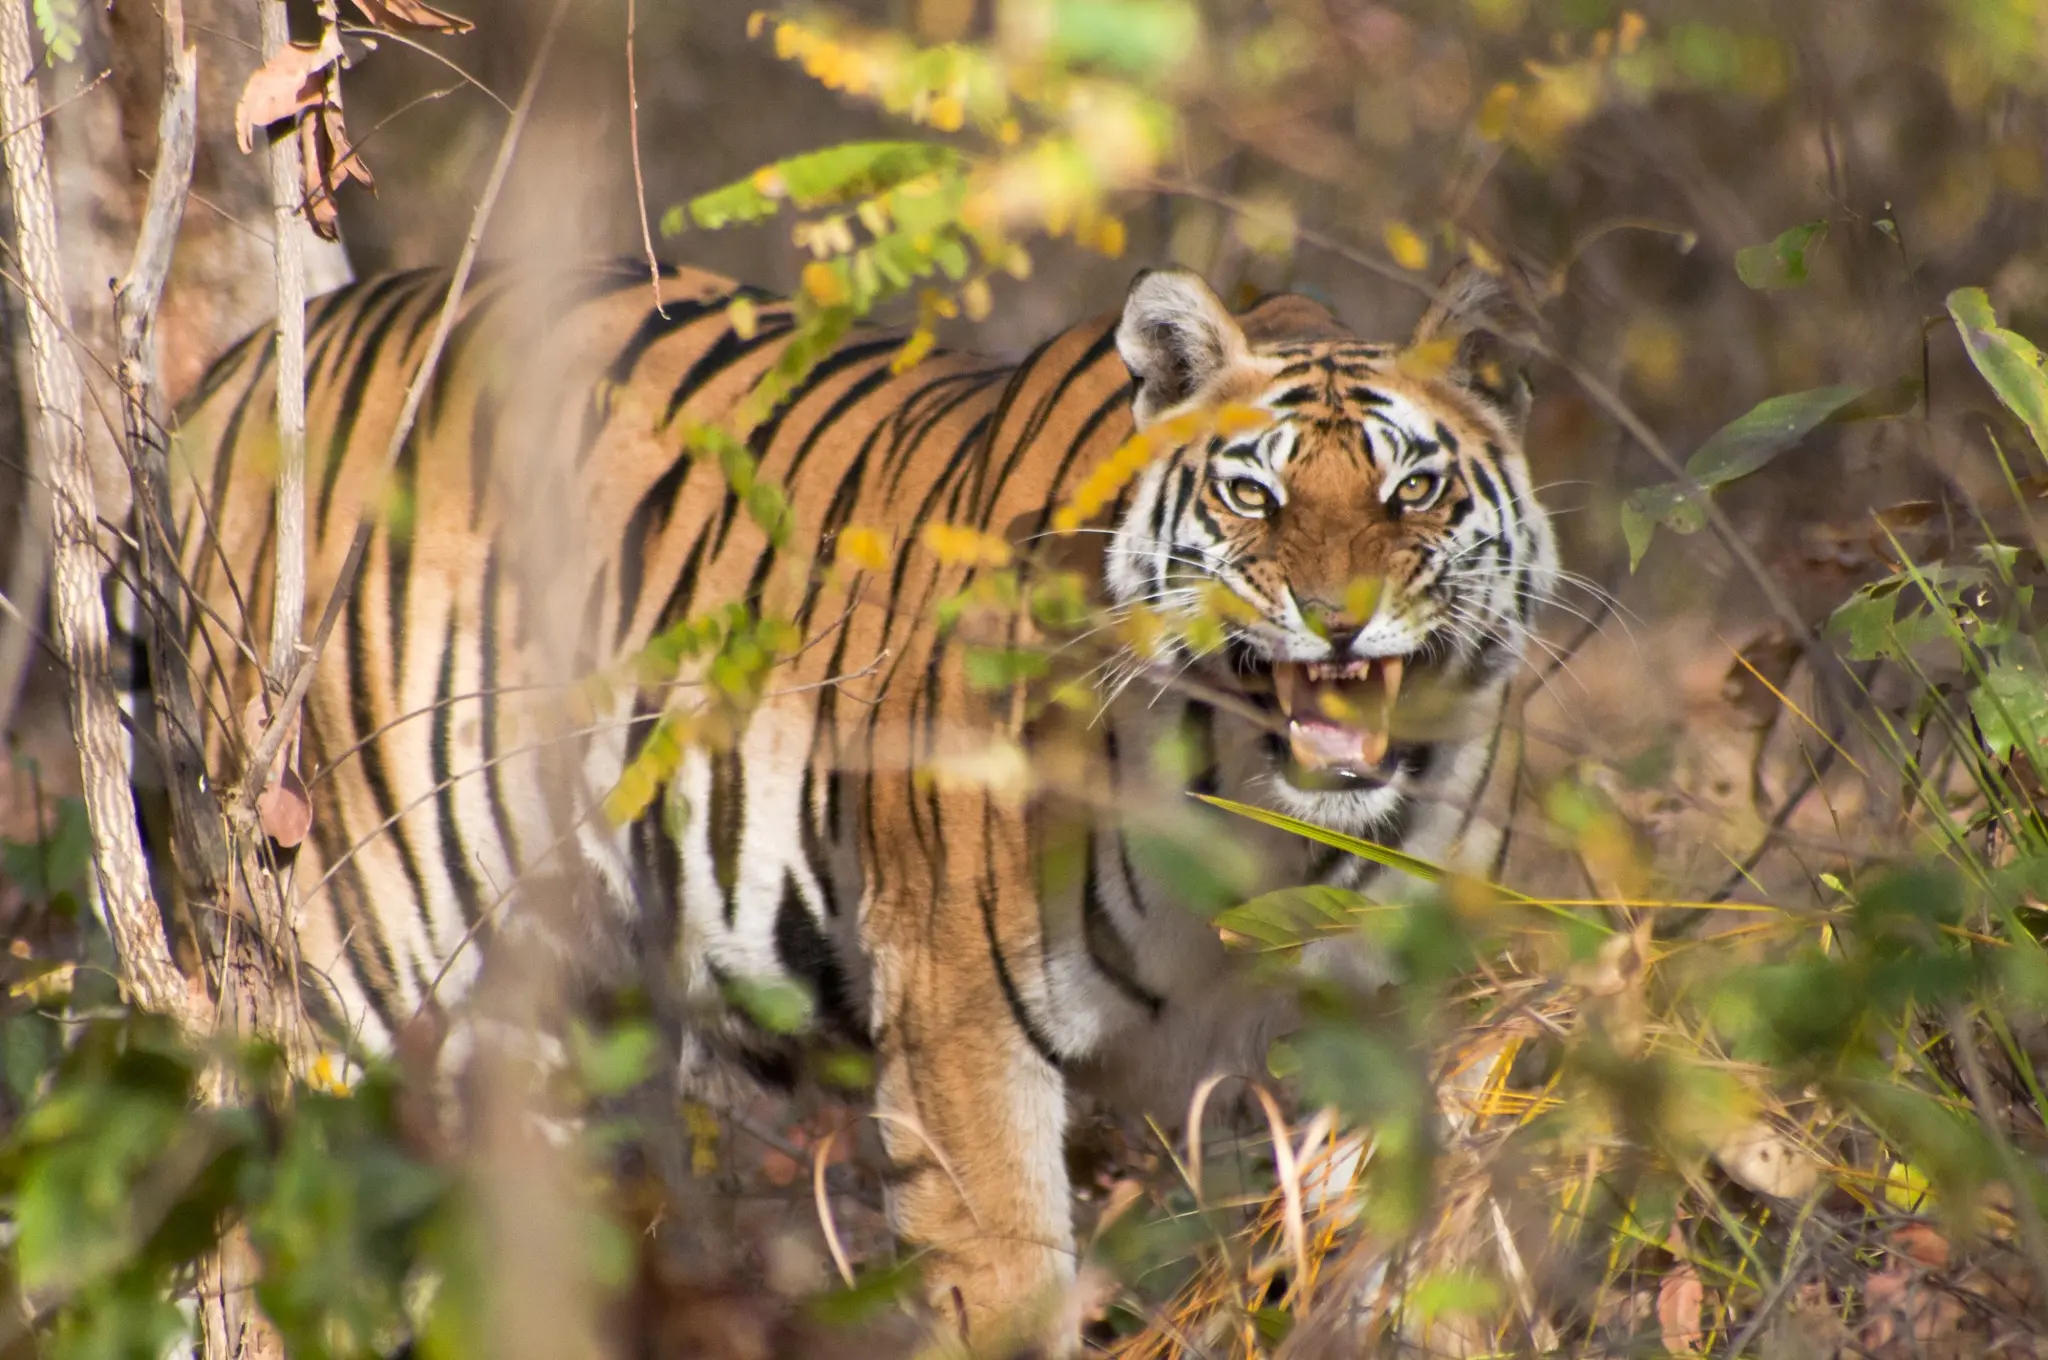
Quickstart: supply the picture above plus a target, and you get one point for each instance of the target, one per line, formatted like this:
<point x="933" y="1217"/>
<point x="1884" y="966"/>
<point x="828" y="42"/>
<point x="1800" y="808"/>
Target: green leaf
<point x="1735" y="450"/>
<point x="57" y="22"/>
<point x="1460" y="1293"/>
<point x="817" y="179"/>
<point x="672" y="221"/>
<point x="1368" y="850"/>
<point x="55" y="864"/>
<point x="1139" y="37"/>
<point x="780" y="1006"/>
<point x="616" y="1060"/>
<point x="993" y="668"/>
<point x="1781" y="262"/>
<point x="1765" y="431"/>
<point x="2008" y="360"/>
<point x="1293" y="917"/>
<point x="1873" y="626"/>
<point x="2011" y="709"/>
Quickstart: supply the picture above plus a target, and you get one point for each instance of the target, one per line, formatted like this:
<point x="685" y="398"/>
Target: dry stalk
<point x="288" y="600"/>
<point x="149" y="973"/>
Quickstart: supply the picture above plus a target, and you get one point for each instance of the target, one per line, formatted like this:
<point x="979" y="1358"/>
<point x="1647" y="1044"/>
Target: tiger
<point x="997" y="940"/>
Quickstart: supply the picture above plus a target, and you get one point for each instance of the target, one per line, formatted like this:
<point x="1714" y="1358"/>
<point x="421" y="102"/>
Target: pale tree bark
<point x="201" y="848"/>
<point x="78" y="613"/>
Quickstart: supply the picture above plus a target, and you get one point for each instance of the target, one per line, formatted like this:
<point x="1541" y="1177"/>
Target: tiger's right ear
<point x="1178" y="340"/>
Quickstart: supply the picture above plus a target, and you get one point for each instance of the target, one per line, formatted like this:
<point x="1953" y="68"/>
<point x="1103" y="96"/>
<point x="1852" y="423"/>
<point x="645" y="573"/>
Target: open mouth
<point x="1340" y="715"/>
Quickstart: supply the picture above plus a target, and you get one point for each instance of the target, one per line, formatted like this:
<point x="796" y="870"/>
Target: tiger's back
<point x="545" y="497"/>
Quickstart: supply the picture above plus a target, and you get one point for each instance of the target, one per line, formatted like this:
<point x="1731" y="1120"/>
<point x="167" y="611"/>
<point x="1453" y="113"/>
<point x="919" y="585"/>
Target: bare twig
<point x="68" y="100"/>
<point x="639" y="179"/>
<point x="302" y="677"/>
<point x="81" y="619"/>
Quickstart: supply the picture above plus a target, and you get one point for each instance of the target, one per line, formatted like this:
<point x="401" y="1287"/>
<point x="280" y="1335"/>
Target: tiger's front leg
<point x="970" y="1099"/>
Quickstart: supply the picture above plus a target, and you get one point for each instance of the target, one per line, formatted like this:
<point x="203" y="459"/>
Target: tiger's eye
<point x="1248" y="496"/>
<point x="1418" y="489"/>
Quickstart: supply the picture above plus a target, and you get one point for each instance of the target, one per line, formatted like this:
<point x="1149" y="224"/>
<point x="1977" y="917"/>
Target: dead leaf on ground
<point x="396" y="14"/>
<point x="291" y="81"/>
<point x="1680" y="1299"/>
<point x="1907" y="1309"/>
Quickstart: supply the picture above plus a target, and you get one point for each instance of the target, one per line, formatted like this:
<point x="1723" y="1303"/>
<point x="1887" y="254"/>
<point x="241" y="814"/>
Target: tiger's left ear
<point x="1178" y="340"/>
<point x="1487" y="316"/>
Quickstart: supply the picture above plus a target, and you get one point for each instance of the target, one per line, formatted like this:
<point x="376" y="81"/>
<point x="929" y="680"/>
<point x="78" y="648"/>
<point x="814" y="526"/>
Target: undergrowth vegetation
<point x="1605" y="1110"/>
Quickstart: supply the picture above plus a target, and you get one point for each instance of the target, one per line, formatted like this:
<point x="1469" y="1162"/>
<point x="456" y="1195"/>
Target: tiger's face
<point x="1374" y="553"/>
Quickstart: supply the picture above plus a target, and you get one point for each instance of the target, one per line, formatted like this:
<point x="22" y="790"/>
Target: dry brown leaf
<point x="327" y="160"/>
<point x="284" y="809"/>
<point x="1758" y="1156"/>
<point x="1680" y="1299"/>
<point x="1907" y="1309"/>
<point x="411" y="14"/>
<point x="289" y="83"/>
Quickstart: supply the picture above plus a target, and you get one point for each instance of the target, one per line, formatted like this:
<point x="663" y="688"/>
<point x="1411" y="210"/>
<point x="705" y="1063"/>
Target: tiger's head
<point x="1376" y="550"/>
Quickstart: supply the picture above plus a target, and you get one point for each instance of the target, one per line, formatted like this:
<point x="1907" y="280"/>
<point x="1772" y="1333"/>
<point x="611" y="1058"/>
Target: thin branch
<point x="385" y="35"/>
<point x="302" y="678"/>
<point x="131" y="913"/>
<point x="639" y="179"/>
<point x="69" y="99"/>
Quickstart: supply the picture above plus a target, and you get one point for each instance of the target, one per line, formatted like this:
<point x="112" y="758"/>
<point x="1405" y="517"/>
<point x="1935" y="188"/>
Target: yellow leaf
<point x="1429" y="360"/>
<point x="1630" y="31"/>
<point x="974" y="297"/>
<point x="1009" y="134"/>
<point x="1102" y="484"/>
<point x="1496" y="110"/>
<point x="874" y="216"/>
<point x="767" y="182"/>
<point x="630" y="796"/>
<point x="960" y="546"/>
<point x="947" y="113"/>
<point x="824" y="284"/>
<point x="739" y="314"/>
<point x="862" y="548"/>
<point x="1409" y="250"/>
<point x="1905" y="1187"/>
<point x="754" y="23"/>
<point x="914" y="349"/>
<point x="703" y="1127"/>
<point x="1109" y="237"/>
<point x="326" y="1075"/>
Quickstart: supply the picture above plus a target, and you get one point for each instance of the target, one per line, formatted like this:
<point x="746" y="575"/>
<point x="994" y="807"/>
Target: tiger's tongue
<point x="1339" y="718"/>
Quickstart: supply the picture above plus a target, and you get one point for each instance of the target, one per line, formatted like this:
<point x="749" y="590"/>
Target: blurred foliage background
<point x="1753" y="1067"/>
